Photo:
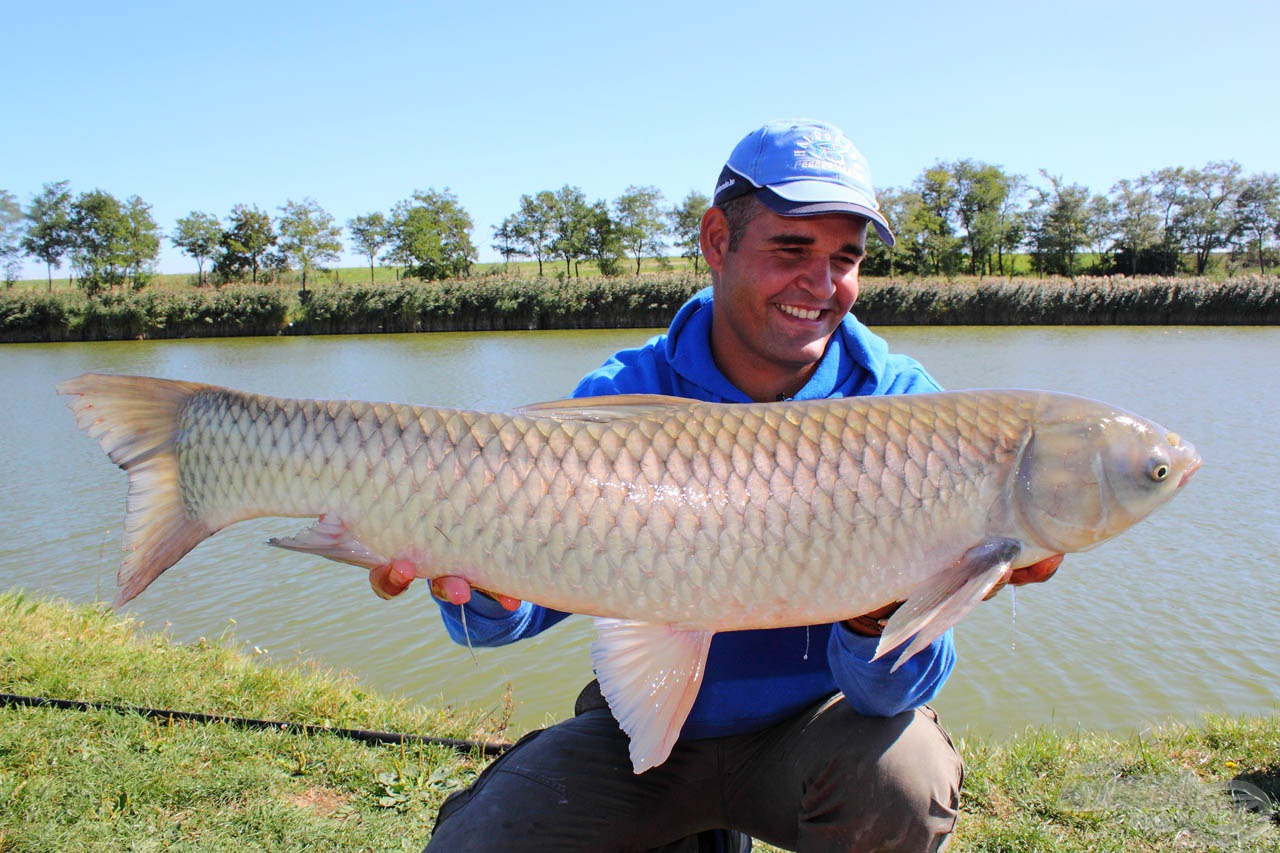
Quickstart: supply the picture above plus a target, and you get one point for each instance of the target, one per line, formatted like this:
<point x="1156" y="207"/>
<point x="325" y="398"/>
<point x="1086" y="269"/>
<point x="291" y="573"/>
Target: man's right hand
<point x="391" y="579"/>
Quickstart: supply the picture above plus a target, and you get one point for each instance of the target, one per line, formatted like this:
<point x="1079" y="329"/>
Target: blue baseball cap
<point x="802" y="168"/>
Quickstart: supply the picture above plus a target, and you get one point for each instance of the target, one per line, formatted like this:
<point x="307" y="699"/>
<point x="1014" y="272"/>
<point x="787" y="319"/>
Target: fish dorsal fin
<point x="606" y="408"/>
<point x="938" y="604"/>
<point x="649" y="674"/>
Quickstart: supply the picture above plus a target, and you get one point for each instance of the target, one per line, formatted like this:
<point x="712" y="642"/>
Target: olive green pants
<point x="827" y="779"/>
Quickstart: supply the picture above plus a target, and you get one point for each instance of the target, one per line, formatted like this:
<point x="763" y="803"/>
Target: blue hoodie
<point x="754" y="679"/>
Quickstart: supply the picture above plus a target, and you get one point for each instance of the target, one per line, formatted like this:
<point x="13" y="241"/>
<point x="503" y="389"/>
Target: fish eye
<point x="1160" y="471"/>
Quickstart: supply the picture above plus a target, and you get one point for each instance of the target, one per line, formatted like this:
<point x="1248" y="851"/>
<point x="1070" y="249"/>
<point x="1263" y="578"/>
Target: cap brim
<point x="812" y="198"/>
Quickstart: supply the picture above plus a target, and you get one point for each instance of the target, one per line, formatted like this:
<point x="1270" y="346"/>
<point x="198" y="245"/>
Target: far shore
<point x="497" y="302"/>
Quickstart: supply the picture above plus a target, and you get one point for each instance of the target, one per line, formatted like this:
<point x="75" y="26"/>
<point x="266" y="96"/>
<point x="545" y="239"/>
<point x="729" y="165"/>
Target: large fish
<point x="670" y="518"/>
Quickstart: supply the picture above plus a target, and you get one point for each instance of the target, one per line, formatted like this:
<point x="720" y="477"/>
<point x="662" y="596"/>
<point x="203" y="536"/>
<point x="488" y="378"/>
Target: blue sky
<point x="203" y="108"/>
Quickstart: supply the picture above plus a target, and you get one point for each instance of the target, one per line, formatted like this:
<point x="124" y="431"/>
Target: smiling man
<point x="797" y="737"/>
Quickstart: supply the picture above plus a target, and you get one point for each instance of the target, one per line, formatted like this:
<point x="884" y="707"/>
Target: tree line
<point x="110" y="243"/>
<point x="970" y="216"/>
<point x="962" y="216"/>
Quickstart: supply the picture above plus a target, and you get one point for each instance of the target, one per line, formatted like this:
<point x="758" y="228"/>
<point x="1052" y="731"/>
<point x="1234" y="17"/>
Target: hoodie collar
<point x="852" y="364"/>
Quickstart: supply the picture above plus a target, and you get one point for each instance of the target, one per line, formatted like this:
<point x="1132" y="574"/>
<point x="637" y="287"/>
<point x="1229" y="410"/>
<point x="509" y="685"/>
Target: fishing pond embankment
<point x="498" y="303"/>
<point x="110" y="781"/>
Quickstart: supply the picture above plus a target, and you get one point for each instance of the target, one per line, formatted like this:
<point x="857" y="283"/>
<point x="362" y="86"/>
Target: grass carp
<point x="668" y="519"/>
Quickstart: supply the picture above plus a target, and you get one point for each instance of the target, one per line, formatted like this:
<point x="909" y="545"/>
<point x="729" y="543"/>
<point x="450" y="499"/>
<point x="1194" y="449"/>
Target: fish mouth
<point x="1186" y="475"/>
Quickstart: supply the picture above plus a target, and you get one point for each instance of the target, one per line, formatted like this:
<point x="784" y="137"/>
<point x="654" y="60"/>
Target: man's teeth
<point x="801" y="313"/>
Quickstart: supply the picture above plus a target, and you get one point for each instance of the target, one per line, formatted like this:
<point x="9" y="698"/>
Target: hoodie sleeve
<point x="487" y="623"/>
<point x="870" y="687"/>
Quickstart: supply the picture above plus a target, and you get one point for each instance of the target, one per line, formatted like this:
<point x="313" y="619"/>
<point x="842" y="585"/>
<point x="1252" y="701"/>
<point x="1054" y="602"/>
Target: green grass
<point x="106" y="781"/>
<point x="386" y="275"/>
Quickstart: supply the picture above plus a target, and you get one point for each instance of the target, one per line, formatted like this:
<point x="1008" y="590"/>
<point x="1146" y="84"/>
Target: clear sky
<point x="203" y="106"/>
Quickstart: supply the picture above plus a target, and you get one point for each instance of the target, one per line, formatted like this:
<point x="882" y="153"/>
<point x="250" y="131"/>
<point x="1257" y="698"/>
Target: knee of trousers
<point x="922" y="771"/>
<point x="908" y="784"/>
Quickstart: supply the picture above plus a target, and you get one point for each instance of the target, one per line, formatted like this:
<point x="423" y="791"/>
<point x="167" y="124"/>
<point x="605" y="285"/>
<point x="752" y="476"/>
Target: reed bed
<point x="498" y="303"/>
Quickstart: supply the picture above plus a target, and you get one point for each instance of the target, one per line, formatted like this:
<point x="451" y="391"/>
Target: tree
<point x="881" y="258"/>
<point x="48" y="234"/>
<point x="569" y="225"/>
<point x="246" y="242"/>
<point x="533" y="229"/>
<point x="1167" y="189"/>
<point x="143" y="242"/>
<point x="370" y="234"/>
<point x="1012" y="222"/>
<point x="308" y="235"/>
<point x="1134" y="220"/>
<point x="1057" y="225"/>
<point x="1204" y="222"/>
<point x="939" y="195"/>
<point x="10" y="237"/>
<point x="198" y="235"/>
<point x="505" y="241"/>
<point x="981" y="190"/>
<point x="1257" y="214"/>
<point x="640" y="221"/>
<point x="113" y="242"/>
<point x="601" y="241"/>
<point x="686" y="225"/>
<point x="431" y="235"/>
<point x="1098" y="232"/>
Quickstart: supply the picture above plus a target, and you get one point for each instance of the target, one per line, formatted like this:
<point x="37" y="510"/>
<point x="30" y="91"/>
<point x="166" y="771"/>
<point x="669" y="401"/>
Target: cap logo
<point x="725" y="185"/>
<point x="822" y="150"/>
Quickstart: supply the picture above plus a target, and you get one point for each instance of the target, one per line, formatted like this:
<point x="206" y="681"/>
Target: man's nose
<point x="817" y="279"/>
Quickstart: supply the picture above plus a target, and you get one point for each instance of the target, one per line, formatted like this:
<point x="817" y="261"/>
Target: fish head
<point x="1090" y="472"/>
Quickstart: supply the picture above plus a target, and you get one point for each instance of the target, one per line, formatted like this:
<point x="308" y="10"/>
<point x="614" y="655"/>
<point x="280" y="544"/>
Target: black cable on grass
<point x="371" y="737"/>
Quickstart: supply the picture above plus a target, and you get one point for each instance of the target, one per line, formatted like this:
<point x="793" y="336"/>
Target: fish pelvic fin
<point x="649" y="674"/>
<point x="330" y="538"/>
<point x="945" y="599"/>
<point x="135" y="420"/>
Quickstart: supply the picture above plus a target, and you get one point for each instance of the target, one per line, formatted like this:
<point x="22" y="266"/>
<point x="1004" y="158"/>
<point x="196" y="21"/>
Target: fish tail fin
<point x="135" y="420"/>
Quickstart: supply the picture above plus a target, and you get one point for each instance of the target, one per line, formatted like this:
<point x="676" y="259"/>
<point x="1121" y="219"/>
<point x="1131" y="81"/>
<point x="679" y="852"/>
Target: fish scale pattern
<point x="702" y="515"/>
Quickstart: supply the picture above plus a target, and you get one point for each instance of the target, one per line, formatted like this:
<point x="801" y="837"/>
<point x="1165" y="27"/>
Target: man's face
<point x="780" y="294"/>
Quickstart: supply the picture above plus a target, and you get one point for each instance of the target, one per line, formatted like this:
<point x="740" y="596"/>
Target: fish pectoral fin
<point x="945" y="599"/>
<point x="330" y="538"/>
<point x="606" y="408"/>
<point x="649" y="674"/>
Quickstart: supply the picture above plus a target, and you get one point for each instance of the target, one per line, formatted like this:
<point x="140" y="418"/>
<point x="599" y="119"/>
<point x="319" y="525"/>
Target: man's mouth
<point x="798" y="312"/>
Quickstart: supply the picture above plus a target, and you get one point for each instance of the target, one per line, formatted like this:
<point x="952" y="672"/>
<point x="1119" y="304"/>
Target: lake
<point x="1175" y="618"/>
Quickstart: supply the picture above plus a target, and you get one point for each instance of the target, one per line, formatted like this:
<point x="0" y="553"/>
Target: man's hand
<point x="872" y="624"/>
<point x="390" y="580"/>
<point x="394" y="578"/>
<point x="1034" y="573"/>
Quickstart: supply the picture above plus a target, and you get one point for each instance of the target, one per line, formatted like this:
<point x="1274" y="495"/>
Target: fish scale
<point x="670" y="519"/>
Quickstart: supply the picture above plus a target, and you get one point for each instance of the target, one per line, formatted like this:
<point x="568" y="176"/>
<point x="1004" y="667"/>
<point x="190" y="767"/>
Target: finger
<point x="507" y="602"/>
<point x="451" y="588"/>
<point x="1037" y="572"/>
<point x="390" y="580"/>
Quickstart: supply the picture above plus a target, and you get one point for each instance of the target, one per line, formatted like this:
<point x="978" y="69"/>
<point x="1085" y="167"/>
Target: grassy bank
<point x="649" y="300"/>
<point x="105" y="781"/>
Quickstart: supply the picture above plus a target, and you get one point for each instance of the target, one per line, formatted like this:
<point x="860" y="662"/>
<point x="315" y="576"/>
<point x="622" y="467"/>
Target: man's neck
<point x="764" y="384"/>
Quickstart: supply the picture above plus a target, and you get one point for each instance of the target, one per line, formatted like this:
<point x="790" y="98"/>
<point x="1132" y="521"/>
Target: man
<point x="796" y="737"/>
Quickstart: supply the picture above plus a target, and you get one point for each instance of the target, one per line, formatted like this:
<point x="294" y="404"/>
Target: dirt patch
<point x="320" y="801"/>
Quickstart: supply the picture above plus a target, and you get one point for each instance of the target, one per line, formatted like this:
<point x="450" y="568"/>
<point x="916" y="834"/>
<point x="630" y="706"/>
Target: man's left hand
<point x="872" y="624"/>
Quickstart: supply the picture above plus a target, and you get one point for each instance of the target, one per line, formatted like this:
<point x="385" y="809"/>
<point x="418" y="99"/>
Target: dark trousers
<point x="827" y="779"/>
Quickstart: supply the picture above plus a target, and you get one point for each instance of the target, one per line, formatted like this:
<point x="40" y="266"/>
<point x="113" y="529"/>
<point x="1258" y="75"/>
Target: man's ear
<point x="714" y="237"/>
